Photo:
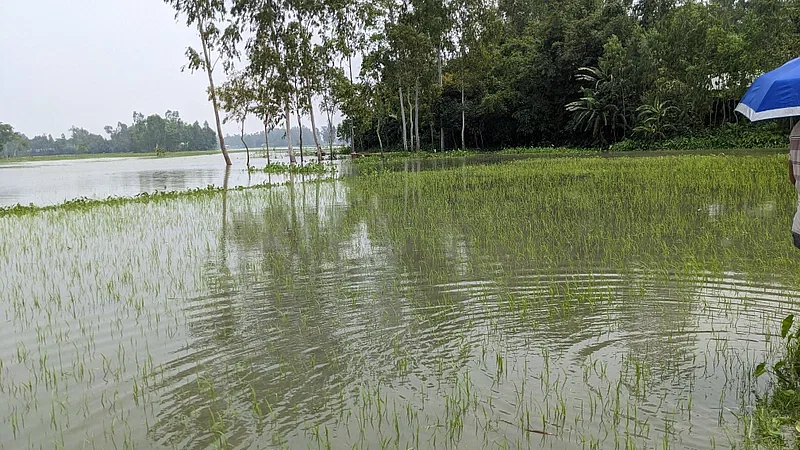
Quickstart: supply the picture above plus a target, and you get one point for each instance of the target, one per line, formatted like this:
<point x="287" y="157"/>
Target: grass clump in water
<point x="144" y="197"/>
<point x="312" y="168"/>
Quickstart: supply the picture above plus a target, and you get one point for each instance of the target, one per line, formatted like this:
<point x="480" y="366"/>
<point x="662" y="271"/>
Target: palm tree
<point x="653" y="119"/>
<point x="592" y="113"/>
<point x="597" y="108"/>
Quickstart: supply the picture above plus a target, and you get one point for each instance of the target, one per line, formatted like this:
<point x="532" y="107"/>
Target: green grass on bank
<point x="561" y="151"/>
<point x="373" y="155"/>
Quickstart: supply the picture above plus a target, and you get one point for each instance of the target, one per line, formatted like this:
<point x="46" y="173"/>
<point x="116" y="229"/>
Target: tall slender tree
<point x="238" y="99"/>
<point x="204" y="15"/>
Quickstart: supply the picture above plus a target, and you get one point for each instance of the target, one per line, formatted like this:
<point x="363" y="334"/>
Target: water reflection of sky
<point x="53" y="182"/>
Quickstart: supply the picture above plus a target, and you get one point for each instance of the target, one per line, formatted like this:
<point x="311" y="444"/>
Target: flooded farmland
<point x="579" y="303"/>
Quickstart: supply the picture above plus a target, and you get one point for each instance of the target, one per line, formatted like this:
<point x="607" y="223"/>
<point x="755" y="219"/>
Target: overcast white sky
<point x="91" y="63"/>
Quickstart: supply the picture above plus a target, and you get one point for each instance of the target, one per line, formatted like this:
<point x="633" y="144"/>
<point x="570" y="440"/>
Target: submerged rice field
<point x="564" y="303"/>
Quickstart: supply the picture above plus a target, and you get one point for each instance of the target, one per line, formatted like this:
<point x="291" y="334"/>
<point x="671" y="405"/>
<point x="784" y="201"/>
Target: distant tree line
<point x="12" y="143"/>
<point x="146" y="134"/>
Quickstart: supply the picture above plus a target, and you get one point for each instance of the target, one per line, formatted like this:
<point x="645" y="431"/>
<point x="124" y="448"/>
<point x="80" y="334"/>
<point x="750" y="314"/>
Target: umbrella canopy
<point x="774" y="94"/>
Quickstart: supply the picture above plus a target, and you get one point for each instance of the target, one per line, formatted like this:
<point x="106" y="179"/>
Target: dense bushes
<point x="727" y="137"/>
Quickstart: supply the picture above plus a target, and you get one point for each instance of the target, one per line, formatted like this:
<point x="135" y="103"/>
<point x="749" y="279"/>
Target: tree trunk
<point x="289" y="132"/>
<point x="246" y="148"/>
<point x="266" y="140"/>
<point x="352" y="128"/>
<point x="213" y="92"/>
<point x="300" y="126"/>
<point x="313" y="123"/>
<point x="329" y="112"/>
<point x="410" y="121"/>
<point x="441" y="87"/>
<point x="416" y="112"/>
<point x="378" y="132"/>
<point x="463" y="119"/>
<point x="403" y="114"/>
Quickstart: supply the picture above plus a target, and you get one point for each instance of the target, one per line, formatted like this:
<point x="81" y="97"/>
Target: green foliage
<point x="571" y="73"/>
<point x="489" y="75"/>
<point x="7" y="134"/>
<point x="777" y="414"/>
<point x="146" y="135"/>
<point x="726" y="137"/>
<point x="595" y="111"/>
<point x="311" y="168"/>
<point x="144" y="197"/>
<point x="11" y="142"/>
<point x="654" y="120"/>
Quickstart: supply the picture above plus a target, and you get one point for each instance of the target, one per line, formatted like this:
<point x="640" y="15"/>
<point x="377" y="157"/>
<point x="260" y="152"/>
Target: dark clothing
<point x="796" y="239"/>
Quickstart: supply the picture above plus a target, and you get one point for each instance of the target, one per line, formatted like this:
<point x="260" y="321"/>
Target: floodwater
<point x="394" y="312"/>
<point x="52" y="182"/>
<point x="56" y="181"/>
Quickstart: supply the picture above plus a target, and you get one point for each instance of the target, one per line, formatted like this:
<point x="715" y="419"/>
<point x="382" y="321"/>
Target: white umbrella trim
<point x="769" y="114"/>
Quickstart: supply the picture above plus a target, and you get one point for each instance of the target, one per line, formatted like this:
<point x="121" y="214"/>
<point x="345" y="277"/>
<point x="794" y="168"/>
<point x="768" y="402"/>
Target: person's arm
<point x="791" y="173"/>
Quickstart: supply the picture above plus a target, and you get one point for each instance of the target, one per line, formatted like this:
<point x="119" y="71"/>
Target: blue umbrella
<point x="774" y="94"/>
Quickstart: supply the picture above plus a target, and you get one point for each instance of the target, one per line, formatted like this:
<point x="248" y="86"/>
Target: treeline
<point x="146" y="134"/>
<point x="277" y="138"/>
<point x="573" y="72"/>
<point x="479" y="73"/>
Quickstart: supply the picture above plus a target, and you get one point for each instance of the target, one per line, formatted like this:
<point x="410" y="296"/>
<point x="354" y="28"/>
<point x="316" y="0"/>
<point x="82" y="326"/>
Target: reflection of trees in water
<point x="161" y="181"/>
<point x="170" y="180"/>
<point x="318" y="286"/>
<point x="424" y="255"/>
<point x="446" y="233"/>
<point x="533" y="290"/>
<point x="657" y="314"/>
<point x="268" y="329"/>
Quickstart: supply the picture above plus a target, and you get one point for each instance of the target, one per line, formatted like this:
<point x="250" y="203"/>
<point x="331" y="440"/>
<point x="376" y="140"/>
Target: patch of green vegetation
<point x="727" y="137"/>
<point x="663" y="210"/>
<point x="395" y="156"/>
<point x="549" y="151"/>
<point x="312" y="168"/>
<point x="370" y="157"/>
<point x="144" y="197"/>
<point x="776" y="418"/>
